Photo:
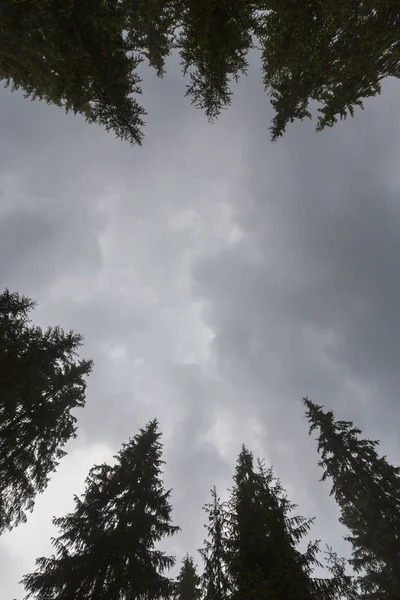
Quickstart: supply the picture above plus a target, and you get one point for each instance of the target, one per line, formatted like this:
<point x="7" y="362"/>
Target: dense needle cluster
<point x="84" y="55"/>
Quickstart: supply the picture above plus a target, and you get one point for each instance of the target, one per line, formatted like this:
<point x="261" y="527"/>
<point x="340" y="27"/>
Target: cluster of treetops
<point x="84" y="55"/>
<point x="108" y="547"/>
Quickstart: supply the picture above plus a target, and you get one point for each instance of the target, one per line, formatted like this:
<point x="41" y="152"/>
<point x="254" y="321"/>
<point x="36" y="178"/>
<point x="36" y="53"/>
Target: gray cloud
<point x="216" y="278"/>
<point x="306" y="302"/>
<point x="319" y="259"/>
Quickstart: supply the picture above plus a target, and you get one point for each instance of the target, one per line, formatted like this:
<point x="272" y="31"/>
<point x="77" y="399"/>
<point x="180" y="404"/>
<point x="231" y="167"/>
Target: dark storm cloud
<point x="35" y="246"/>
<point x="125" y="245"/>
<point x="194" y="466"/>
<point x="324" y="230"/>
<point x="103" y="236"/>
<point x="306" y="303"/>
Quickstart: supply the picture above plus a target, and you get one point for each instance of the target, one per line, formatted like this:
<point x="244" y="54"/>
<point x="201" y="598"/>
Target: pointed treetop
<point x="367" y="490"/>
<point x="108" y="546"/>
<point x="41" y="382"/>
<point x="187" y="585"/>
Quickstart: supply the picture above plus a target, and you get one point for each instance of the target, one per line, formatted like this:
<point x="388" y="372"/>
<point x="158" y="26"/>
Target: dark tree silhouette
<point x="41" y="382"/>
<point x="252" y="546"/>
<point x="107" y="548"/>
<point x="187" y="585"/>
<point x="83" y="56"/>
<point x="367" y="490"/>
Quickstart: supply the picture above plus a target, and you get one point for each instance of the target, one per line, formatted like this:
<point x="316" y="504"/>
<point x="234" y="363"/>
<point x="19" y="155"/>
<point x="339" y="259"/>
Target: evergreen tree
<point x="263" y="560"/>
<point x="335" y="52"/>
<point x="214" y="41"/>
<point x="367" y="490"/>
<point x="215" y="577"/>
<point x="107" y="549"/>
<point x="187" y="586"/>
<point x="74" y="55"/>
<point x="83" y="55"/>
<point x="257" y="539"/>
<point x="41" y="382"/>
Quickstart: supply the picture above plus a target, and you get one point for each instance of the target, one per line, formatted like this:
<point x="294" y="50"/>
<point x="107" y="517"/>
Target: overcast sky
<point x="217" y="278"/>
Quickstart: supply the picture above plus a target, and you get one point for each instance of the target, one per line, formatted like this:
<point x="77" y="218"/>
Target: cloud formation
<point x="217" y="279"/>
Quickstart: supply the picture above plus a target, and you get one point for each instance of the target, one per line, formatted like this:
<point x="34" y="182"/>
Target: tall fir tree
<point x="260" y="558"/>
<point x="107" y="549"/>
<point x="214" y="41"/>
<point x="367" y="490"/>
<point x="215" y="579"/>
<point x="74" y="55"/>
<point x="263" y="560"/>
<point x="187" y="585"/>
<point x="41" y="382"/>
<point x="83" y="56"/>
<point x="334" y="52"/>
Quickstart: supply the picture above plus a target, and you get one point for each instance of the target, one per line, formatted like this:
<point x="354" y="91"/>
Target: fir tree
<point x="214" y="41"/>
<point x="74" y="55"/>
<point x="187" y="586"/>
<point x="334" y="52"/>
<point x="263" y="560"/>
<point x="215" y="577"/>
<point x="41" y="382"/>
<point x="367" y="490"/>
<point x="107" y="549"/>
<point x="83" y="56"/>
<point x="255" y="545"/>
